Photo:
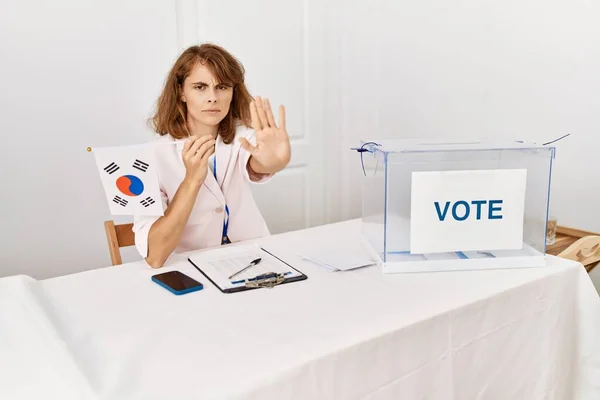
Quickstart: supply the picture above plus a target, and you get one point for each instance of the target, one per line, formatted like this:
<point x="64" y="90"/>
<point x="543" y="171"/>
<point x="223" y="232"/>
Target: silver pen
<point x="252" y="263"/>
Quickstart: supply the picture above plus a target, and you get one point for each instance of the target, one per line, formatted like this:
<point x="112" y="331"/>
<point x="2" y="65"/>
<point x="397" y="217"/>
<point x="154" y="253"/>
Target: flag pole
<point x="89" y="149"/>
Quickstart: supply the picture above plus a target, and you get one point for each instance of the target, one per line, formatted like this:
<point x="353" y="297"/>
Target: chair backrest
<point x="585" y="250"/>
<point x="118" y="236"/>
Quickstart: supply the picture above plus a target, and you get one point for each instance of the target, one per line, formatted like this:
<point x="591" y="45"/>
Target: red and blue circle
<point x="130" y="185"/>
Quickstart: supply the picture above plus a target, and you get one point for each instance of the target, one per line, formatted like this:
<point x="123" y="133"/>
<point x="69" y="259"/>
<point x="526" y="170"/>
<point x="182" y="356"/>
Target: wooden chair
<point x="577" y="245"/>
<point x="585" y="250"/>
<point x="118" y="236"/>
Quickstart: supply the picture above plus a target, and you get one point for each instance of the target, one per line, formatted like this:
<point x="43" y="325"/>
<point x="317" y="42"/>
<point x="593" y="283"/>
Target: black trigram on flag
<point x="110" y="168"/>
<point x="120" y="201"/>
<point x="147" y="201"/>
<point x="142" y="166"/>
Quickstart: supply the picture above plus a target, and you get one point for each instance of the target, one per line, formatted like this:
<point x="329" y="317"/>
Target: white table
<point x="113" y="334"/>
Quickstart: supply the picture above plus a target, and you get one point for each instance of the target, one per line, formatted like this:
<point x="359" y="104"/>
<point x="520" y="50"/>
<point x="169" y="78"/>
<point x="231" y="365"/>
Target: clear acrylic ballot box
<point x="431" y="206"/>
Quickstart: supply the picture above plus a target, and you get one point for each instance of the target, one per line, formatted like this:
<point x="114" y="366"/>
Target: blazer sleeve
<point x="142" y="225"/>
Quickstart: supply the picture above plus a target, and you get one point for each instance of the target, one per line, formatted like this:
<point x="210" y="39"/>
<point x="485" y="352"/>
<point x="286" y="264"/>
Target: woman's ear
<point x="181" y="95"/>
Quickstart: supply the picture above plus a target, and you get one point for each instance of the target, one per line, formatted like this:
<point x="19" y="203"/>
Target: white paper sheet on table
<point x="340" y="258"/>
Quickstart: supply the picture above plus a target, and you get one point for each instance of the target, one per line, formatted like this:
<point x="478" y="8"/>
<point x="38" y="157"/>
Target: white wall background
<point x="86" y="73"/>
<point x="73" y="74"/>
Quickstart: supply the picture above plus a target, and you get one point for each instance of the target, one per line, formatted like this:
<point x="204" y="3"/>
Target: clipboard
<point x="205" y="263"/>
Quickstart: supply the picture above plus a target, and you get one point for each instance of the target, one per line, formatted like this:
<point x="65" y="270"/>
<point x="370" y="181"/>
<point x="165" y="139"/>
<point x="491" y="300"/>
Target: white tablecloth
<point x="113" y="334"/>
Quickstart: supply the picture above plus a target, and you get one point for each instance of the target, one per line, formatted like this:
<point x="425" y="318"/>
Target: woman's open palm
<point x="272" y="150"/>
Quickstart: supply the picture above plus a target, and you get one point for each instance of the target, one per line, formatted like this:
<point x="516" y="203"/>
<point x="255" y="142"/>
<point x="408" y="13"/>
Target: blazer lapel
<point x="222" y="155"/>
<point x="213" y="186"/>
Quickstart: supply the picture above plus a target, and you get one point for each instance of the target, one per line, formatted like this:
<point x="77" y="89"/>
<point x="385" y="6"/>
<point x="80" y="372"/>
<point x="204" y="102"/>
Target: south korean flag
<point x="130" y="181"/>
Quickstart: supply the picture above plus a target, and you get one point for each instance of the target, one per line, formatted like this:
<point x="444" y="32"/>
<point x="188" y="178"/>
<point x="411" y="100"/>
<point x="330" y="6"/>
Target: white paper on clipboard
<point x="221" y="263"/>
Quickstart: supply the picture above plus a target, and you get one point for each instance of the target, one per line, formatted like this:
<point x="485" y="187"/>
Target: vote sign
<point x="467" y="210"/>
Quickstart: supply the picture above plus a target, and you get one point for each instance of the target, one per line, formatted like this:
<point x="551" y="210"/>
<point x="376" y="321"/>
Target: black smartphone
<point x="177" y="282"/>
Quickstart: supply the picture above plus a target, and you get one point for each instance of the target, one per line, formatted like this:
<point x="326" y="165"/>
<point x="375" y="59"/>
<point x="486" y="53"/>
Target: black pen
<point x="253" y="263"/>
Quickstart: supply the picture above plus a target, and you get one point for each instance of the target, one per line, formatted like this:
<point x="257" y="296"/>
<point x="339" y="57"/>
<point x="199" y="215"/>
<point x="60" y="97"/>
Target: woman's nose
<point x="212" y="96"/>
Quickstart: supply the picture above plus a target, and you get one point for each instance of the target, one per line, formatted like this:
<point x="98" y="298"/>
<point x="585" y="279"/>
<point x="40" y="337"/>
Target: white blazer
<point x="205" y="224"/>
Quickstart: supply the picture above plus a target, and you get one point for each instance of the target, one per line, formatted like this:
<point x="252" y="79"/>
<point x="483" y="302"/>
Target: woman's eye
<point x="199" y="87"/>
<point x="222" y="87"/>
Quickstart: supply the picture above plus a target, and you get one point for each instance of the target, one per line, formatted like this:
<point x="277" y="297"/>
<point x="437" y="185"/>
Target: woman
<point x="207" y="155"/>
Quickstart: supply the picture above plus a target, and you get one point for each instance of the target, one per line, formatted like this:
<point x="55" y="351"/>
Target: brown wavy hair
<point x="170" y="116"/>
